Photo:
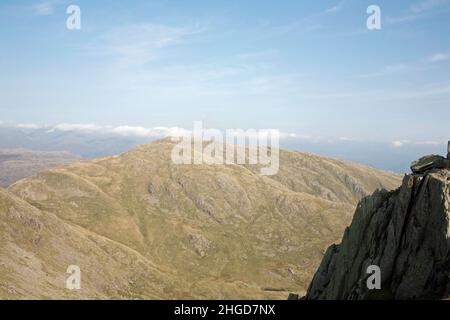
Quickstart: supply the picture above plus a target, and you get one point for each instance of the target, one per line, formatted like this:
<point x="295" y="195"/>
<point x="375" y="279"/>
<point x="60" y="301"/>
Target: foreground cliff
<point x="405" y="233"/>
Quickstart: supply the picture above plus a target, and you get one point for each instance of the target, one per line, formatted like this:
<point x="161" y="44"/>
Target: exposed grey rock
<point x="293" y="296"/>
<point x="448" y="151"/>
<point x="404" y="232"/>
<point x="430" y="162"/>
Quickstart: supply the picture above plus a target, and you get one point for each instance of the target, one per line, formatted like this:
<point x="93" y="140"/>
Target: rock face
<point x="448" y="151"/>
<point x="404" y="232"/>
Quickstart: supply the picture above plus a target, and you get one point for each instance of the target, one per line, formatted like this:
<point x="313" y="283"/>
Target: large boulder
<point x="430" y="162"/>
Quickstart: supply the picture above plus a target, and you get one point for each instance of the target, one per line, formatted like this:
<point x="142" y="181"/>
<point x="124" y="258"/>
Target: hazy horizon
<point x="312" y="70"/>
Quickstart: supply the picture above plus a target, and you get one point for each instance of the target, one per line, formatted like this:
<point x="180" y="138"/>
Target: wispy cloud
<point x="258" y="54"/>
<point x="305" y="25"/>
<point x="28" y="126"/>
<point x="433" y="91"/>
<point x="387" y="70"/>
<point x="404" y="142"/>
<point x="338" y="7"/>
<point x="418" y="10"/>
<point x="138" y="44"/>
<point x="403" y="67"/>
<point x="402" y="19"/>
<point x="427" y="5"/>
<point x="399" y="143"/>
<point x="46" y="8"/>
<point x="437" y="57"/>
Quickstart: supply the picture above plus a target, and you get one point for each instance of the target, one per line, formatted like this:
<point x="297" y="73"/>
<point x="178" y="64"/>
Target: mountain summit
<point x="139" y="226"/>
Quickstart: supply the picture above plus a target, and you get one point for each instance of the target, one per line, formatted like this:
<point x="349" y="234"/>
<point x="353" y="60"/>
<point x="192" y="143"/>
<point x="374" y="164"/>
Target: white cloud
<point x="76" y="127"/>
<point x="124" y="130"/>
<point x="165" y="132"/>
<point x="387" y="70"/>
<point x="46" y="8"/>
<point x="138" y="44"/>
<point x="128" y="131"/>
<point x="402" y="143"/>
<point x="347" y="139"/>
<point x="429" y="143"/>
<point x="305" y="25"/>
<point x="333" y="9"/>
<point x="418" y="10"/>
<point x="149" y="132"/>
<point x="258" y="54"/>
<point x="412" y="66"/>
<point x="28" y="126"/>
<point x="427" y="5"/>
<point x="399" y="143"/>
<point x="438" y="57"/>
<point x="336" y="8"/>
<point x="402" y="19"/>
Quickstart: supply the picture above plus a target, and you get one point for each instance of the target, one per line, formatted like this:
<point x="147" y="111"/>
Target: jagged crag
<point x="405" y="232"/>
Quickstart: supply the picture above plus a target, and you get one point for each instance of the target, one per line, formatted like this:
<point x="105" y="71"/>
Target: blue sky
<point x="306" y="67"/>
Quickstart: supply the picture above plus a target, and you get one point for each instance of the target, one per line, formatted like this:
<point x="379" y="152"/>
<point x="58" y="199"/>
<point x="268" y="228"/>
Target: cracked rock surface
<point x="405" y="232"/>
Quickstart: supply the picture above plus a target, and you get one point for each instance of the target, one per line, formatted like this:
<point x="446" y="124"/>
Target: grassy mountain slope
<point x="216" y="231"/>
<point x="36" y="248"/>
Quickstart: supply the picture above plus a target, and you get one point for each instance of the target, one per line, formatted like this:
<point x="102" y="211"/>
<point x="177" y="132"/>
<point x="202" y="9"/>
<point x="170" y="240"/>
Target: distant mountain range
<point x="141" y="227"/>
<point x="16" y="164"/>
<point x="89" y="144"/>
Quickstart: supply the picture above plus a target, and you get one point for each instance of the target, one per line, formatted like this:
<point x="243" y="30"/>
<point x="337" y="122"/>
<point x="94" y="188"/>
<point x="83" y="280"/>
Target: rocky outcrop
<point x="405" y="233"/>
<point x="430" y="162"/>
